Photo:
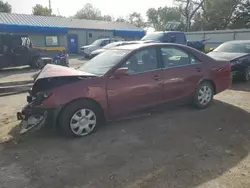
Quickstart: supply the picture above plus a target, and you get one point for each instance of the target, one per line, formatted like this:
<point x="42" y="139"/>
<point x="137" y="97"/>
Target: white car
<point x="98" y="44"/>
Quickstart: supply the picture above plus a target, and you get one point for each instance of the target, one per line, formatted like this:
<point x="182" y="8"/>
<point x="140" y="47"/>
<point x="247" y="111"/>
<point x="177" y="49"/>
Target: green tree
<point x="158" y="18"/>
<point x="198" y="22"/>
<point x="107" y="18"/>
<point x="218" y="14"/>
<point x="241" y="17"/>
<point x="188" y="9"/>
<point x="40" y="10"/>
<point x="5" y="7"/>
<point x="89" y="12"/>
<point x="121" y="19"/>
<point x="136" y="19"/>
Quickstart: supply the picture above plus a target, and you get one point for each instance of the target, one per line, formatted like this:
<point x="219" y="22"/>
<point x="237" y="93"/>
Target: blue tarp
<point x="129" y="33"/>
<point x="14" y="28"/>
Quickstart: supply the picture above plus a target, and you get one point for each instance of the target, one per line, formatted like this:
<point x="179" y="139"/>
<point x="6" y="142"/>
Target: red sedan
<point x="120" y="81"/>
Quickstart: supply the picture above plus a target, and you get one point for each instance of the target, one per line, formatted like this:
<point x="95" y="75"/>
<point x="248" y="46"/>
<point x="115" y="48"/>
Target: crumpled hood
<point x="225" y="55"/>
<point x="50" y="71"/>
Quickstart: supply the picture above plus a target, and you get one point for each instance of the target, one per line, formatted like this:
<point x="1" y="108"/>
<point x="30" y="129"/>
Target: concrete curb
<point x="16" y="83"/>
<point x="12" y="93"/>
<point x="14" y="89"/>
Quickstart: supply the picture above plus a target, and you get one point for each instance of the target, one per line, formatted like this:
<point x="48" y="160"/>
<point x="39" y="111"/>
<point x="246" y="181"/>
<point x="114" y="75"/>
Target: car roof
<point x="142" y="45"/>
<point x="162" y="32"/>
<point x="237" y="41"/>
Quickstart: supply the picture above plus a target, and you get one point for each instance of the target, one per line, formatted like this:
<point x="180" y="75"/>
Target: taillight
<point x="229" y="66"/>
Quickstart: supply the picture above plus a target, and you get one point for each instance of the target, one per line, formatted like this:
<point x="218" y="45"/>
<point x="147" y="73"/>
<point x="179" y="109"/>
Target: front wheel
<point x="80" y="118"/>
<point x="204" y="95"/>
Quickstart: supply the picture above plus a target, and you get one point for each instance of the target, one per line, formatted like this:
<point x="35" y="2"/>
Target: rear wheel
<point x="204" y="95"/>
<point x="80" y="118"/>
<point x="246" y="75"/>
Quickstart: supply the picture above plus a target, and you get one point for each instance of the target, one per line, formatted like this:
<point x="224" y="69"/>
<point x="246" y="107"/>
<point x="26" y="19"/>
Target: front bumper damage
<point x="34" y="116"/>
<point x="32" y="122"/>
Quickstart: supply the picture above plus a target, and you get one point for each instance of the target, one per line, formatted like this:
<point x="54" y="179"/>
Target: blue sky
<point x="115" y="8"/>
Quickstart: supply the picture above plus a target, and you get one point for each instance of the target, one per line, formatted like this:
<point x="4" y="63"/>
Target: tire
<point x="73" y="123"/>
<point x="246" y="75"/>
<point x="37" y="63"/>
<point x="202" y="101"/>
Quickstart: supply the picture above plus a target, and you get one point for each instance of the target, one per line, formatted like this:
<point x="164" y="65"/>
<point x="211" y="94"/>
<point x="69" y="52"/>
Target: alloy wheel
<point x="83" y="122"/>
<point x="205" y="95"/>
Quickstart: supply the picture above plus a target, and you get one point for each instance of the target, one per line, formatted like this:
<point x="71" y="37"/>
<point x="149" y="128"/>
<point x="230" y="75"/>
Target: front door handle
<point x="198" y="69"/>
<point x="156" y="77"/>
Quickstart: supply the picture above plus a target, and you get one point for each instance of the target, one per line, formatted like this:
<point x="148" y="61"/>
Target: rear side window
<point x="173" y="57"/>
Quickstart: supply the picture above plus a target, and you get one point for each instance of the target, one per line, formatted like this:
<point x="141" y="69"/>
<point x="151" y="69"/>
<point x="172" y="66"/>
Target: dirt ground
<point x="178" y="147"/>
<point x="24" y="73"/>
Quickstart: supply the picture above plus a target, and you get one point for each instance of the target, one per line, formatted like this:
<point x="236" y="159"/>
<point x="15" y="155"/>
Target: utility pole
<point x="50" y="7"/>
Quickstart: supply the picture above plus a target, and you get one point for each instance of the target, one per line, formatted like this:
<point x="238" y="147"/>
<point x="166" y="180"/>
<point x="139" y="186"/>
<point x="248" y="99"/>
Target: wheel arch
<point x="211" y="82"/>
<point x="75" y="100"/>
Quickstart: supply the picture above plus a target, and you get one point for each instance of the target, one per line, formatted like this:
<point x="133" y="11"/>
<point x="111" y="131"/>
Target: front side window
<point x="104" y="43"/>
<point x="173" y="57"/>
<point x="97" y="42"/>
<point x="51" y="41"/>
<point x="142" y="61"/>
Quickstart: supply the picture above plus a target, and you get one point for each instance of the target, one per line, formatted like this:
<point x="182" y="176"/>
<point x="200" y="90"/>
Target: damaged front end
<point x="42" y="107"/>
<point x="33" y="122"/>
<point x="34" y="115"/>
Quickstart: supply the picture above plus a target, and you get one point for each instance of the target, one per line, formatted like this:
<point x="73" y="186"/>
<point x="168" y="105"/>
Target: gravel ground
<point x="25" y="73"/>
<point x="177" y="147"/>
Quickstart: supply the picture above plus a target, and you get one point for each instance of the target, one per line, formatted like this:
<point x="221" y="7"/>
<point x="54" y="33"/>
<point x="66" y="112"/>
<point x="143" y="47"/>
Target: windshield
<point x="233" y="48"/>
<point x="111" y="45"/>
<point x="102" y="63"/>
<point x="153" y="36"/>
<point x="97" y="42"/>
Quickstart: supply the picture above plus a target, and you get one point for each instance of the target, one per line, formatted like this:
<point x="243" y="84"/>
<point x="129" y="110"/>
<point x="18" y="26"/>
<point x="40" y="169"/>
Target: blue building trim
<point x="15" y="28"/>
<point x="129" y="33"/>
<point x="89" y="29"/>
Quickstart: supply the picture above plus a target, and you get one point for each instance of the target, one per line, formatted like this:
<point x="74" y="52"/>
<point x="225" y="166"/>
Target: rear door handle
<point x="156" y="77"/>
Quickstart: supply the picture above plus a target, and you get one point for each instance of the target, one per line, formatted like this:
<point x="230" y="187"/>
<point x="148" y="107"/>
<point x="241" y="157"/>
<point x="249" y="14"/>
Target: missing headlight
<point x="41" y="96"/>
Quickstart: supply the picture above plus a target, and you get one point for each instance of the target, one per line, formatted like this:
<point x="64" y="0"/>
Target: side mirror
<point x="121" y="72"/>
<point x="211" y="49"/>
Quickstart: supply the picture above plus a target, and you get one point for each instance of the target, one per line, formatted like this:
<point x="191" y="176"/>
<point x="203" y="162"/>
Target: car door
<point x="141" y="88"/>
<point x="182" y="72"/>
